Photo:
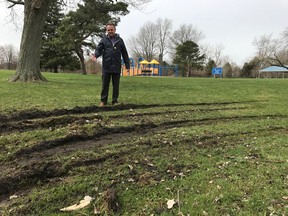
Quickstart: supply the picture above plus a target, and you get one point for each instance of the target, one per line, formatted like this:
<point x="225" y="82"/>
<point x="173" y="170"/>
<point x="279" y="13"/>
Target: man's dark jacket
<point x="111" y="54"/>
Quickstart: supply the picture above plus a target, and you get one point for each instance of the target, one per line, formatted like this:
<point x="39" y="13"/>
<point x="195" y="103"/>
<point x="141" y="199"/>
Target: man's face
<point x="111" y="30"/>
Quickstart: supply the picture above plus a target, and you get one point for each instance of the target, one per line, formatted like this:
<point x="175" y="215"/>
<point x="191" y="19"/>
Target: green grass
<point x="70" y="90"/>
<point x="216" y="146"/>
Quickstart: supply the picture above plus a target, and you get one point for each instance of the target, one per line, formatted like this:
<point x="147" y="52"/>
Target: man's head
<point x="110" y="29"/>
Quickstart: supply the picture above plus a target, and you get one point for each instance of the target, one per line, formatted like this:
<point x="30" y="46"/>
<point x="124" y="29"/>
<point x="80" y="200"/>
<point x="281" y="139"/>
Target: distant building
<point x="274" y="72"/>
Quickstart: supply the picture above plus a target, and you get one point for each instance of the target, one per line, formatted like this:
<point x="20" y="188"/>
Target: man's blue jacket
<point x="111" y="54"/>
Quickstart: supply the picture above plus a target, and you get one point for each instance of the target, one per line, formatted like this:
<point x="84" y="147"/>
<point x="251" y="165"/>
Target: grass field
<point x="212" y="146"/>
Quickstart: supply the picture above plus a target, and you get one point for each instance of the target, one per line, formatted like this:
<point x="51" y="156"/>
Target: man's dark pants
<point x="106" y="77"/>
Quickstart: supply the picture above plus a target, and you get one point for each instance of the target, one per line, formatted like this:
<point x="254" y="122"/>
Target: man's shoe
<point x="114" y="103"/>
<point x="102" y="104"/>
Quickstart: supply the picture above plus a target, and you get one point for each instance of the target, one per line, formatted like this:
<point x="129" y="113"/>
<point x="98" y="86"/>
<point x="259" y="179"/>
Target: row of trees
<point x="270" y="51"/>
<point x="53" y="40"/>
<point x="96" y="12"/>
<point x="67" y="38"/>
<point x="8" y="57"/>
<point x="184" y="47"/>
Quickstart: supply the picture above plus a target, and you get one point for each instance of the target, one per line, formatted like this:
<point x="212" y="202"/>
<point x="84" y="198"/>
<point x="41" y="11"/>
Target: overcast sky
<point x="232" y="23"/>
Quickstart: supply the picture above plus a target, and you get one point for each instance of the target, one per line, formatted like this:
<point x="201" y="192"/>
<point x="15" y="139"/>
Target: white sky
<point x="232" y="23"/>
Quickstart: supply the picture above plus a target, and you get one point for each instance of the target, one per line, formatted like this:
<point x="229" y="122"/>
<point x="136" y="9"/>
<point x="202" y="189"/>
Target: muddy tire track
<point x="38" y="164"/>
<point x="25" y="121"/>
<point x="36" y="114"/>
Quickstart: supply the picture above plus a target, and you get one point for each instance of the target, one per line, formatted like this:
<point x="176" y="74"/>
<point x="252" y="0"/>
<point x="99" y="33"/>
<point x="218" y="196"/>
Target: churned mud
<point x="33" y="164"/>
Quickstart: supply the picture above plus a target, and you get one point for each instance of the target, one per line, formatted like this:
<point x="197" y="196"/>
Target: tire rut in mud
<point x="37" y="163"/>
<point x="29" y="115"/>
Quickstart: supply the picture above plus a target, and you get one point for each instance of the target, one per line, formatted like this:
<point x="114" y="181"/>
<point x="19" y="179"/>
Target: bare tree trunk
<point x="188" y="70"/>
<point x="80" y="55"/>
<point x="28" y="69"/>
<point x="55" y="69"/>
<point x="83" y="66"/>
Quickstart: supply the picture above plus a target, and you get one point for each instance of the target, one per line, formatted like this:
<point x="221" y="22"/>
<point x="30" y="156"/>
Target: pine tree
<point x="53" y="55"/>
<point x="188" y="57"/>
<point x="79" y="27"/>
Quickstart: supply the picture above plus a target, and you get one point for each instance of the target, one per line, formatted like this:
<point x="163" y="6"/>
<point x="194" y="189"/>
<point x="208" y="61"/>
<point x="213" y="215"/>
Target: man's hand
<point x="93" y="58"/>
<point x="128" y="70"/>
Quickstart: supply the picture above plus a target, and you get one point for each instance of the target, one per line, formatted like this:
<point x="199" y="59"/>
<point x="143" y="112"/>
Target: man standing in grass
<point x="111" y="47"/>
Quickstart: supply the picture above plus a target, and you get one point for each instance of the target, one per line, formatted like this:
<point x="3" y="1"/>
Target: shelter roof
<point x="154" y="61"/>
<point x="274" y="69"/>
<point x="144" y="62"/>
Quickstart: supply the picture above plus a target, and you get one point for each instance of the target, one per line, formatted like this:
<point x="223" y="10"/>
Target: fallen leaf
<point x="285" y="197"/>
<point x="13" y="197"/>
<point x="83" y="203"/>
<point x="170" y="203"/>
<point x="130" y="180"/>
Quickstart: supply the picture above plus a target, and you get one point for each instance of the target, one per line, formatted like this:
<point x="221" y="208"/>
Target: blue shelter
<point x="274" y="71"/>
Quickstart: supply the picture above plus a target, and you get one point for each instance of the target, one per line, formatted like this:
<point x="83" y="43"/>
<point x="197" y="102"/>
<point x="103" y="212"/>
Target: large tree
<point x="265" y="49"/>
<point x="87" y="22"/>
<point x="152" y="41"/>
<point x="185" y="33"/>
<point x="35" y="14"/>
<point x="55" y="57"/>
<point x="165" y="28"/>
<point x="188" y="57"/>
<point x="145" y="43"/>
<point x="251" y="69"/>
<point x="272" y="51"/>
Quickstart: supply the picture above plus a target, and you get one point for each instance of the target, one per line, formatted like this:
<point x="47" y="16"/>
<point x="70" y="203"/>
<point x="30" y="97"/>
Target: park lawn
<point x="214" y="146"/>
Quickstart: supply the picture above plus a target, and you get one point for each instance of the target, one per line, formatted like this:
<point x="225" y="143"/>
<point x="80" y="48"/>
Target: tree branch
<point x="15" y="2"/>
<point x="277" y="60"/>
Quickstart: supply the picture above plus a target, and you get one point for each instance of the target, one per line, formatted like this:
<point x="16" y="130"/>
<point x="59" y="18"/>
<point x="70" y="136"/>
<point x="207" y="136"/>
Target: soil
<point x="35" y="164"/>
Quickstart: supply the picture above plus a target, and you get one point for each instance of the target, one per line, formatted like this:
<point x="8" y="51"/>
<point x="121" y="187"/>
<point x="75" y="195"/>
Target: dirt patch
<point x="38" y="164"/>
<point x="22" y="179"/>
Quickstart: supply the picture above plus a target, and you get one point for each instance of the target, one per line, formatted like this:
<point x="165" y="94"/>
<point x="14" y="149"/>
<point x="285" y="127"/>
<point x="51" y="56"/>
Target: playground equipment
<point x="149" y="68"/>
<point x="152" y="68"/>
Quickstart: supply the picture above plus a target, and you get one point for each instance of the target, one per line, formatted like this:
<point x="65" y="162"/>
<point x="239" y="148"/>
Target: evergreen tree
<point x="209" y="66"/>
<point x="53" y="56"/>
<point x="79" y="27"/>
<point x="35" y="14"/>
<point x="188" y="57"/>
<point x="250" y="69"/>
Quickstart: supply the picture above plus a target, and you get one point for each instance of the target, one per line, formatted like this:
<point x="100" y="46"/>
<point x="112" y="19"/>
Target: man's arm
<point x="98" y="50"/>
<point x="125" y="56"/>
